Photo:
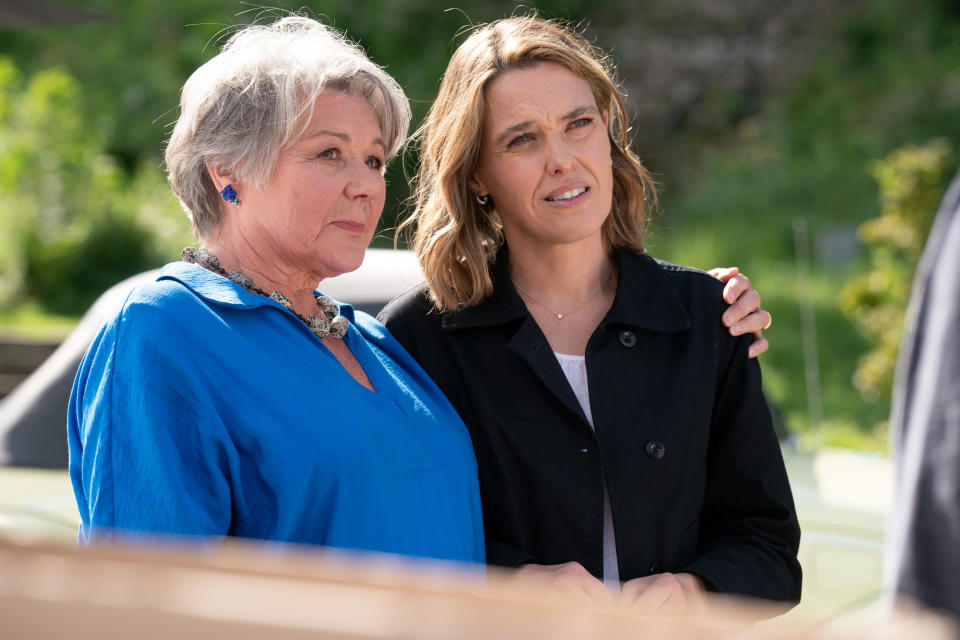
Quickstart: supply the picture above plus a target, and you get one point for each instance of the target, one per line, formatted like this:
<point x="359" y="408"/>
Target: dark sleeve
<point x="749" y="533"/>
<point x="416" y="326"/>
<point x="925" y="425"/>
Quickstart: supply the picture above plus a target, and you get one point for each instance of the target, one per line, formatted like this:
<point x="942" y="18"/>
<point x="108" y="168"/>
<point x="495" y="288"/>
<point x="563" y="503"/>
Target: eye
<point x="521" y="139"/>
<point x="375" y="162"/>
<point x="332" y="153"/>
<point x="580" y="122"/>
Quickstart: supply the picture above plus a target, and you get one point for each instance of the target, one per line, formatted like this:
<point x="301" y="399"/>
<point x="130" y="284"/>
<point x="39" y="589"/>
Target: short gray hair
<point x="253" y="99"/>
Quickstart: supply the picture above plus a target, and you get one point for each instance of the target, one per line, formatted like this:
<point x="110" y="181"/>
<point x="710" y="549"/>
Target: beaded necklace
<point x="329" y="324"/>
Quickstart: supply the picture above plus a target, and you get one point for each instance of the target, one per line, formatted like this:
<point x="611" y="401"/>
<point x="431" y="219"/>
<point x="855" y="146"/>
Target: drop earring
<point x="230" y="195"/>
<point x="483" y="200"/>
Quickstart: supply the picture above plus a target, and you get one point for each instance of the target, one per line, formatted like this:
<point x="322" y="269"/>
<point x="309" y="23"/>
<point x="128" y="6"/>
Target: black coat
<point x="683" y="435"/>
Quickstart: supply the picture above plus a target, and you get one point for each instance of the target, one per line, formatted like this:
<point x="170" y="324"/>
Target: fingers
<point x="653" y="592"/>
<point x="736" y="286"/>
<point x="594" y="588"/>
<point x="663" y="594"/>
<point x="571" y="580"/>
<point x="743" y="322"/>
<point x="754" y="323"/>
<point x="723" y="273"/>
<point x="758" y="346"/>
<point x="746" y="302"/>
<point x="664" y="591"/>
<point x="744" y="315"/>
<point x="632" y="589"/>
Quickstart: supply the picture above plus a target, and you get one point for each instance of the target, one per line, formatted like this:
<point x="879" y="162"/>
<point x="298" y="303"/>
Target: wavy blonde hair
<point x="455" y="237"/>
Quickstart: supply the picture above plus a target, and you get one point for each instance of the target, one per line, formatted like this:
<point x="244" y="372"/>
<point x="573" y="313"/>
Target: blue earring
<point x="230" y="195"/>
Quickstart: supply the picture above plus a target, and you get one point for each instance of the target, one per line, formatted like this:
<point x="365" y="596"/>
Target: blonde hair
<point x="456" y="237"/>
<point x="253" y="99"/>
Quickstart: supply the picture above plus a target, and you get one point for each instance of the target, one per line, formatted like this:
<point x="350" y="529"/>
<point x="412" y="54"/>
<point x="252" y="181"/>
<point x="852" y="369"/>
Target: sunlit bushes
<point x="911" y="182"/>
<point x="71" y="221"/>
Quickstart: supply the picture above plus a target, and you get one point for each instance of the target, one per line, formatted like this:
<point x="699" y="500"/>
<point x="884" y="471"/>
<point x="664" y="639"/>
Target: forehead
<point x="344" y="113"/>
<point x="543" y="91"/>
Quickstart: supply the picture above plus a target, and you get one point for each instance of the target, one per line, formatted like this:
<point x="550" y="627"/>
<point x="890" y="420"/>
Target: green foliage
<point x="83" y="201"/>
<point x="888" y="76"/>
<point x="912" y="181"/>
<point x="71" y="220"/>
<point x="132" y="65"/>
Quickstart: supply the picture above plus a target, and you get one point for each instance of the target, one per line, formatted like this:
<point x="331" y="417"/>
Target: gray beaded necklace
<point x="329" y="323"/>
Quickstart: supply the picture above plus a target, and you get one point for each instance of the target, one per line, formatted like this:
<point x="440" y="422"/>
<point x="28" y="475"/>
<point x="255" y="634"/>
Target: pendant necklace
<point x="561" y="316"/>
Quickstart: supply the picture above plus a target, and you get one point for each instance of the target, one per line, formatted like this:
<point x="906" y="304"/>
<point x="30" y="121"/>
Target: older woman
<point x="621" y="433"/>
<point x="230" y="397"/>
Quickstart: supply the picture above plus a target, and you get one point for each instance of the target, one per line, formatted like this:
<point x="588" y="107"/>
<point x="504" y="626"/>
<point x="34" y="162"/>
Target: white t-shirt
<point x="575" y="368"/>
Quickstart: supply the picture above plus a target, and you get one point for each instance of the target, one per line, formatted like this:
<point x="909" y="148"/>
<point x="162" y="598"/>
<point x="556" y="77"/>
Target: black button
<point x="654" y="568"/>
<point x="628" y="339"/>
<point x="655" y="449"/>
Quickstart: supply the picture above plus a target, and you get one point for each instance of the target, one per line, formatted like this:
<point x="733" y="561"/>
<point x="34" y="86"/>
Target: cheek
<point x="516" y="179"/>
<point x="377" y="202"/>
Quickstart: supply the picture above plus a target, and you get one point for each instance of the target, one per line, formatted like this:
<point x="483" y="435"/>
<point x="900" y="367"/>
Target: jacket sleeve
<point x="148" y="454"/>
<point x="749" y="533"/>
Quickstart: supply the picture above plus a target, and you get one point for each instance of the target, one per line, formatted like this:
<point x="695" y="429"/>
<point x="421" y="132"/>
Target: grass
<point x="30" y="322"/>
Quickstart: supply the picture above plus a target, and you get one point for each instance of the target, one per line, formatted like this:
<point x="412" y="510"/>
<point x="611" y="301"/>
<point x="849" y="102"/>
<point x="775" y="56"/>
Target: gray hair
<point x="256" y="97"/>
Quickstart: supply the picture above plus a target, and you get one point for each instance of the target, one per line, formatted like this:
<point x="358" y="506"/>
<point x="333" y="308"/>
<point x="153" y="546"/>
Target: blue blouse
<point x="202" y="409"/>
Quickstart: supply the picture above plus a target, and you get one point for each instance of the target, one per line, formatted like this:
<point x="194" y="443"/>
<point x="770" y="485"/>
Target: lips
<point x="352" y="227"/>
<point x="567" y="193"/>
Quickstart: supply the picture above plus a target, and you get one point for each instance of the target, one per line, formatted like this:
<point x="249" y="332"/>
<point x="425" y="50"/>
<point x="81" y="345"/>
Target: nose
<point x="364" y="183"/>
<point x="559" y="156"/>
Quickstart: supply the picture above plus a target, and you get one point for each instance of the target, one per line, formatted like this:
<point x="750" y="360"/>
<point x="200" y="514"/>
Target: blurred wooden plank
<point x="244" y="590"/>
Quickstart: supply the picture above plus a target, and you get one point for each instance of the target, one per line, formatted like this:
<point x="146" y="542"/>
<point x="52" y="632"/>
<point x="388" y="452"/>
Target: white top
<point x="575" y="368"/>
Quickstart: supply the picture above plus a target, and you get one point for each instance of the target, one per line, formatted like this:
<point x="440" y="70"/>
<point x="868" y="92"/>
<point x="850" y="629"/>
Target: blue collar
<point x="218" y="290"/>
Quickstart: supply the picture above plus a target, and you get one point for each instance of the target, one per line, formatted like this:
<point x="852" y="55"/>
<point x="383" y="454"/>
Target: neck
<point x="563" y="276"/>
<point x="268" y="272"/>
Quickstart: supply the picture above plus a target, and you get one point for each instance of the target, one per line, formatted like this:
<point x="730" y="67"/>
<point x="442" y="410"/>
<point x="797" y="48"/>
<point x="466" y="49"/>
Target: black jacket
<point x="683" y="434"/>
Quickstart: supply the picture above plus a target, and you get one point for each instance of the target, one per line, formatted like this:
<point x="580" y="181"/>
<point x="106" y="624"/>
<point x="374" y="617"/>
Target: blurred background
<point x="806" y="141"/>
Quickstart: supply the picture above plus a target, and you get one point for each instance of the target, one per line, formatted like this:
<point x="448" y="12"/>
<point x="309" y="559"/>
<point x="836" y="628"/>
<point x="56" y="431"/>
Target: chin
<point x="343" y="262"/>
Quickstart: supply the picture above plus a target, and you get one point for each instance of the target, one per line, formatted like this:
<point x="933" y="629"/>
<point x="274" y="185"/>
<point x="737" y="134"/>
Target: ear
<point x="606" y="118"/>
<point x="477" y="187"/>
<point x="219" y="176"/>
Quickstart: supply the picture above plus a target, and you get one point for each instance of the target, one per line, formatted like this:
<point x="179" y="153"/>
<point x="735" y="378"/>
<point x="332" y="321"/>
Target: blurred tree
<point x="132" y="66"/>
<point x="911" y="180"/>
<point x="71" y="221"/>
<point x="86" y="116"/>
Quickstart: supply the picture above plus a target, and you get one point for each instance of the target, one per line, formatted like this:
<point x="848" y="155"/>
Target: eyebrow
<point x="340" y="135"/>
<point x="521" y="126"/>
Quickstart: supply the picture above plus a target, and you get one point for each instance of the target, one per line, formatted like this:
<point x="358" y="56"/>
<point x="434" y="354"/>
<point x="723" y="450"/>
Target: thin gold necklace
<point x="561" y="316"/>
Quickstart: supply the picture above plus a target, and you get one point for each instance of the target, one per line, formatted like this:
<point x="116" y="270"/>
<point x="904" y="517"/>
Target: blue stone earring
<point x="230" y="195"/>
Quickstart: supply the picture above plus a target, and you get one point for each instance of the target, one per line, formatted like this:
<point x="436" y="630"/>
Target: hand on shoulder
<point x="745" y="314"/>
